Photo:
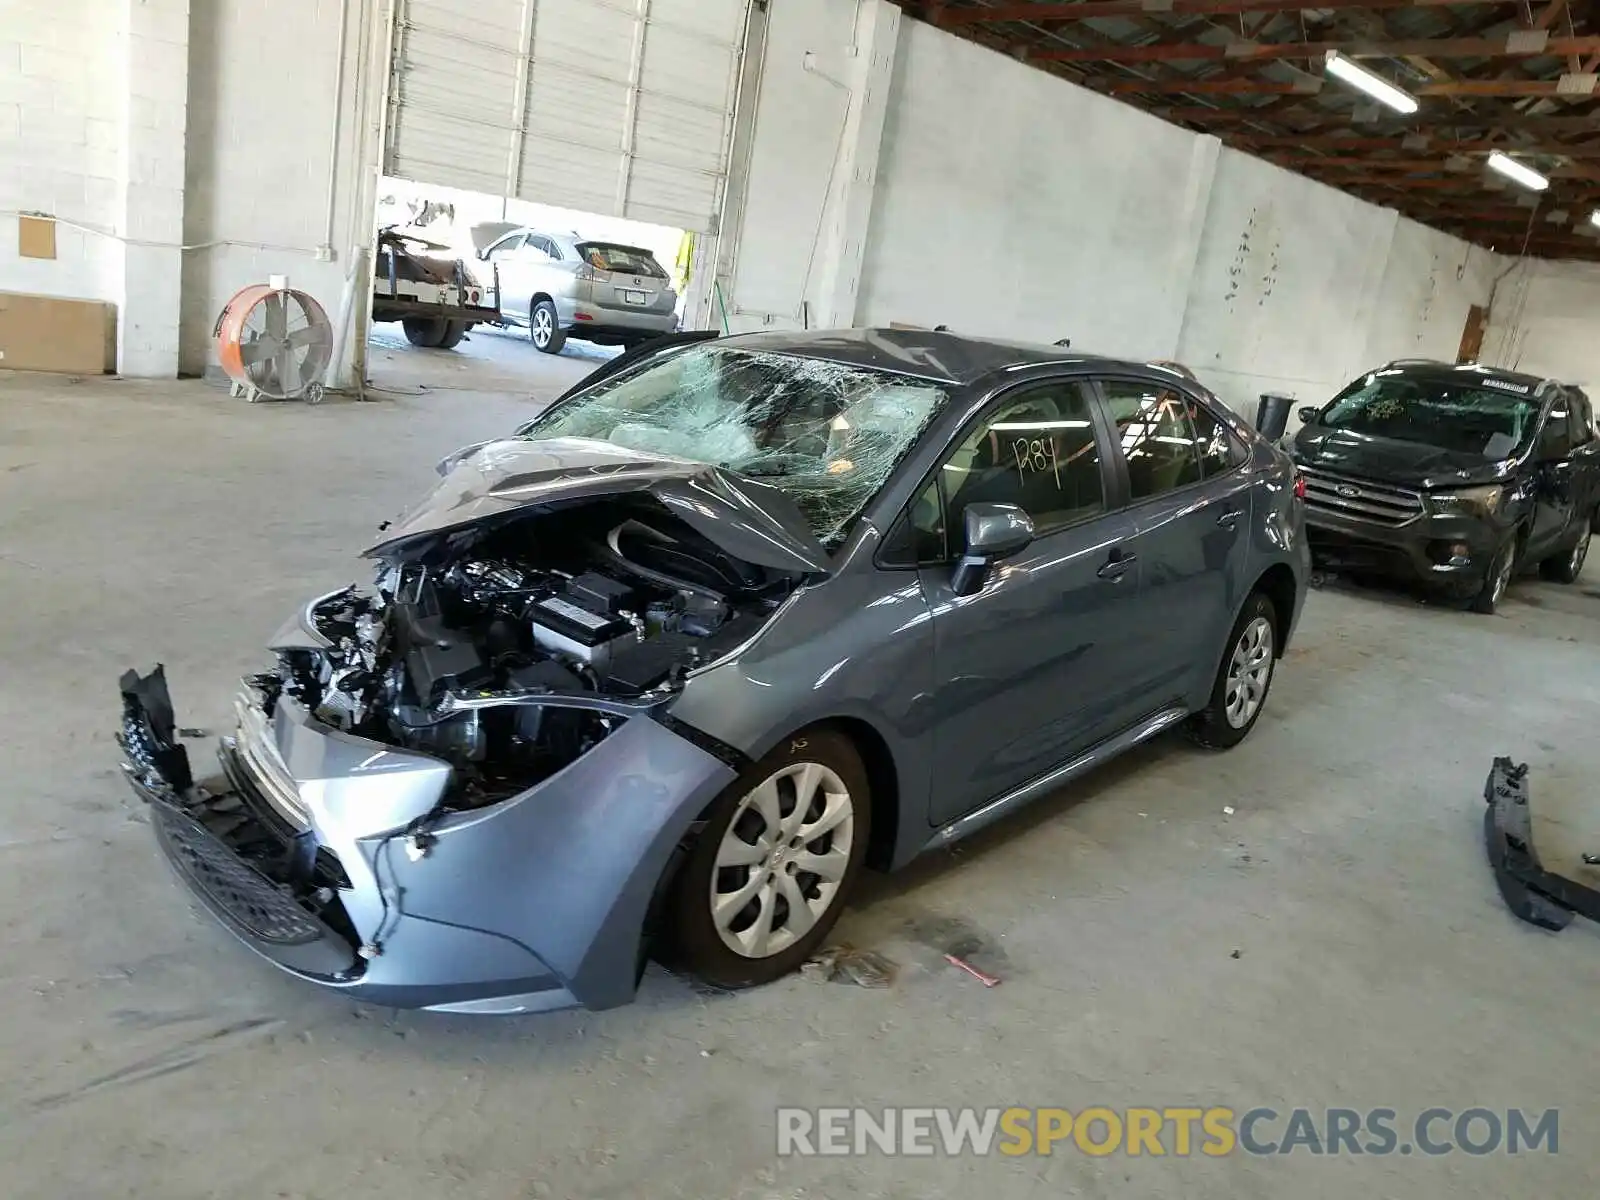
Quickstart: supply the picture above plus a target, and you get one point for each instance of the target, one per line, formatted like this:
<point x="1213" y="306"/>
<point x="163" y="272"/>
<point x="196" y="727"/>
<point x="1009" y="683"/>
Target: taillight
<point x="1299" y="487"/>
<point x="587" y="274"/>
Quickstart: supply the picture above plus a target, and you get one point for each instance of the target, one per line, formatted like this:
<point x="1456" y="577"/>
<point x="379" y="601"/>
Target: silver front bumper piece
<point x="535" y="903"/>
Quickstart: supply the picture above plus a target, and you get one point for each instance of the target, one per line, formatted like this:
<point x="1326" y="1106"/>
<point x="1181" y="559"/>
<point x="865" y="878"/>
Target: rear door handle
<point x="1117" y="565"/>
<point x="1230" y="518"/>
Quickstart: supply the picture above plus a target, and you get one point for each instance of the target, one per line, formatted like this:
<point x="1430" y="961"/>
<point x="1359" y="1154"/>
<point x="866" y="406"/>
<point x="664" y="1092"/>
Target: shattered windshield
<point x="825" y="433"/>
<point x="1493" y="421"/>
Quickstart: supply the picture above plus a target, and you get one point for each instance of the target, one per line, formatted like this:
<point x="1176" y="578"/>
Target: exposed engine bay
<point x="509" y="651"/>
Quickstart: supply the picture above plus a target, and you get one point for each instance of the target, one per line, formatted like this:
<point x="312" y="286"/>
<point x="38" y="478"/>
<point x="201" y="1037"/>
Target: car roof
<point x="938" y="355"/>
<point x="1425" y="368"/>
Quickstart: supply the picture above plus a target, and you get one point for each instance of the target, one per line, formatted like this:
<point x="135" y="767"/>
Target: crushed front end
<point x="461" y="790"/>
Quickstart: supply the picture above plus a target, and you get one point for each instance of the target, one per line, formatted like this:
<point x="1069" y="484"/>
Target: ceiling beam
<point x="1430" y="183"/>
<point x="1335" y="144"/>
<point x="1248" y="52"/>
<point x="1313" y="87"/>
<point x="1092" y="9"/>
<point x="1574" y="124"/>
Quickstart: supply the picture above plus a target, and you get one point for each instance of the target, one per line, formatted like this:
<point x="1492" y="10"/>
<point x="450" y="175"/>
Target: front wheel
<point x="1240" y="690"/>
<point x="769" y="874"/>
<point x="1497" y="579"/>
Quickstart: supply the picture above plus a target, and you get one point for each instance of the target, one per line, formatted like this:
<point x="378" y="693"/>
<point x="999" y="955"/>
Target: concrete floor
<point x="143" y="1053"/>
<point x="488" y="359"/>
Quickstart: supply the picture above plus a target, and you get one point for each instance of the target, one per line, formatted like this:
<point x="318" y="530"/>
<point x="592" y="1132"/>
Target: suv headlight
<point x="1470" y="502"/>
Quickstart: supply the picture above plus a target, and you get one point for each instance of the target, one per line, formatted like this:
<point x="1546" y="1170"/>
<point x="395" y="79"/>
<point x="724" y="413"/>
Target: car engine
<point x="509" y="662"/>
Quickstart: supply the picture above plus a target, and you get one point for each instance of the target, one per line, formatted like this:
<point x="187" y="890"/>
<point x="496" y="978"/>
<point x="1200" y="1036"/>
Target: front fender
<point x="567" y="869"/>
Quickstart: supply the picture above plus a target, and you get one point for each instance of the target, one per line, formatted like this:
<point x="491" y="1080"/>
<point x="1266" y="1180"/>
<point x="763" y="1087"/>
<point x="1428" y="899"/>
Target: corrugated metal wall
<point x="621" y="107"/>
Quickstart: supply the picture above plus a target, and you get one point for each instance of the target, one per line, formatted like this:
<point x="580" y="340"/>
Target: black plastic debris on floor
<point x="1534" y="894"/>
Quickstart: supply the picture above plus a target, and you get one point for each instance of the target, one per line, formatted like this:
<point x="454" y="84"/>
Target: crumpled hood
<point x="1408" y="464"/>
<point x="749" y="519"/>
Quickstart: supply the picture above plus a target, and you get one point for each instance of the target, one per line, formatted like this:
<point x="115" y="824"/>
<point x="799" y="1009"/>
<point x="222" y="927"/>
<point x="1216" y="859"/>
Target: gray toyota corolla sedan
<point x="665" y="670"/>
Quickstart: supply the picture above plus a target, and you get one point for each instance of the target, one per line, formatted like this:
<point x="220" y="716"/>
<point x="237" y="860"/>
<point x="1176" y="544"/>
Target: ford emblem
<point x="1348" y="492"/>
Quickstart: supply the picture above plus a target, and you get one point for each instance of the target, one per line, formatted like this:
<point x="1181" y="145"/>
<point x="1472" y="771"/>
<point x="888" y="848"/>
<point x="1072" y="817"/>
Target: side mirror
<point x="1308" y="413"/>
<point x="994" y="531"/>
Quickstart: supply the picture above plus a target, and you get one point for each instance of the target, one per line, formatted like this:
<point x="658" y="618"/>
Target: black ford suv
<point x="1455" y="477"/>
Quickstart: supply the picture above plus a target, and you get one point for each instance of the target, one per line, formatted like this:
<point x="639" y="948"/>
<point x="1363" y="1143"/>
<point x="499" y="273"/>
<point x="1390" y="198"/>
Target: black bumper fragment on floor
<point x="1533" y="894"/>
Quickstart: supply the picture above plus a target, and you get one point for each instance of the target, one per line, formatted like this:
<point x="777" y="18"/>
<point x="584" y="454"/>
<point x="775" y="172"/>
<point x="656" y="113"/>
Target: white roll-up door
<point x="623" y="107"/>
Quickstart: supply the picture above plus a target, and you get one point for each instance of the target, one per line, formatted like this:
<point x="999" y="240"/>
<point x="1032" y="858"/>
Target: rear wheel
<point x="544" y="327"/>
<point x="1239" y="692"/>
<point x="769" y="874"/>
<point x="1568" y="565"/>
<point x="427" y="332"/>
<point x="454" y="332"/>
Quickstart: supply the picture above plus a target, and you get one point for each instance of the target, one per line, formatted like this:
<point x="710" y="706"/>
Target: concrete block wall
<point x="160" y="128"/>
<point x="63" y="105"/>
<point x="260" y="155"/>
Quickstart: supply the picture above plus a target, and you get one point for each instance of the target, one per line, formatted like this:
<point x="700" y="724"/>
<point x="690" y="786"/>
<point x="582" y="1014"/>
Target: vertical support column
<point x="152" y="183"/>
<point x="1168" y="340"/>
<point x="519" y="105"/>
<point x="836" y="270"/>
<point x="630" y="120"/>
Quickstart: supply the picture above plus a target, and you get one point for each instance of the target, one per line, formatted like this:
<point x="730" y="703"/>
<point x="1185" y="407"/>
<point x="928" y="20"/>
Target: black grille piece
<point x="249" y="898"/>
<point x="1360" y="499"/>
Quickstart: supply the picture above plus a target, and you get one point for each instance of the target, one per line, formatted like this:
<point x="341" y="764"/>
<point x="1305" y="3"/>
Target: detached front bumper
<point x="367" y="886"/>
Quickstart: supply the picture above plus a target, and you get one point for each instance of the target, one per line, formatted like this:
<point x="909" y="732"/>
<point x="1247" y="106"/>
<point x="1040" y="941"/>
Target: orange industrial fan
<point x="274" y="344"/>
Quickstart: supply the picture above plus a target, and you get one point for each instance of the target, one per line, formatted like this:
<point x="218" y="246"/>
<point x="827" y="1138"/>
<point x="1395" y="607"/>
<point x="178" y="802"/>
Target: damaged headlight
<point x="1467" y="502"/>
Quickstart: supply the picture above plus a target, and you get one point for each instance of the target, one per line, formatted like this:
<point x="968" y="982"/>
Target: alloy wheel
<point x="543" y="327"/>
<point x="782" y="859"/>
<point x="1249" y="672"/>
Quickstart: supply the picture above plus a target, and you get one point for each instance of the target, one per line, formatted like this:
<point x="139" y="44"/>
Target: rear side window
<point x="1220" y="450"/>
<point x="1156" y="433"/>
<point x="630" y="260"/>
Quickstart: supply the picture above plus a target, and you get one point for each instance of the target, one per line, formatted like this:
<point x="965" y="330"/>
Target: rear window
<point x="630" y="260"/>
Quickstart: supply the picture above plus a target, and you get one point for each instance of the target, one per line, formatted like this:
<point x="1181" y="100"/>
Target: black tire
<point x="1497" y="579"/>
<point x="695" y="945"/>
<point x="1566" y="566"/>
<point x="427" y="332"/>
<point x="454" y="332"/>
<point x="544" y="327"/>
<point x="1213" y="727"/>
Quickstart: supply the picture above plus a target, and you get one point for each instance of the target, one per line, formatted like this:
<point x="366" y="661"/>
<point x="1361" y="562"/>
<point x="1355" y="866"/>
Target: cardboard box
<point x="46" y="333"/>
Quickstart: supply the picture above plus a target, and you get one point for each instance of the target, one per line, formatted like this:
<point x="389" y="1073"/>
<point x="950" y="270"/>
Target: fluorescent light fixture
<point x="1025" y="426"/>
<point x="1517" y="172"/>
<point x="1594" y="217"/>
<point x="1376" y="86"/>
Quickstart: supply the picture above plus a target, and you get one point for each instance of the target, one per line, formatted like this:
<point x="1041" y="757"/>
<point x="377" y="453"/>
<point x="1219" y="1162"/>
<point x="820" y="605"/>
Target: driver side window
<point x="1036" y="449"/>
<point x="1555" y="442"/>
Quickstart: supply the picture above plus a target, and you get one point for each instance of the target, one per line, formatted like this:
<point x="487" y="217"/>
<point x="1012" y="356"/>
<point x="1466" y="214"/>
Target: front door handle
<point x="1230" y="519"/>
<point x="1117" y="565"/>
